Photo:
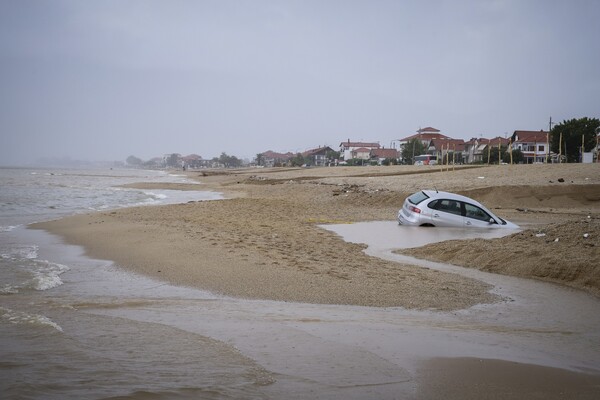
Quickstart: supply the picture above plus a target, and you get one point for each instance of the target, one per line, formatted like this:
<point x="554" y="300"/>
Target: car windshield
<point x="417" y="197"/>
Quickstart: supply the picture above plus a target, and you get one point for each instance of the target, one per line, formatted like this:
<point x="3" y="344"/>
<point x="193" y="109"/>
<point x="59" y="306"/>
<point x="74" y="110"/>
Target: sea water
<point x="77" y="328"/>
<point x="49" y="348"/>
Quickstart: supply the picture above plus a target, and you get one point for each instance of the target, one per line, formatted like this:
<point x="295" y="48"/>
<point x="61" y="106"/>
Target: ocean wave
<point x="48" y="276"/>
<point x="156" y="196"/>
<point x="24" y="273"/>
<point x="7" y="228"/>
<point x="19" y="317"/>
<point x="8" y="289"/>
<point x="21" y="252"/>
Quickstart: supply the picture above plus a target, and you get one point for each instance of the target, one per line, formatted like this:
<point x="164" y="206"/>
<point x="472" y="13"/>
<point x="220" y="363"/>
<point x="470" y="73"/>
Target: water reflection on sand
<point x="364" y="351"/>
<point x="268" y="349"/>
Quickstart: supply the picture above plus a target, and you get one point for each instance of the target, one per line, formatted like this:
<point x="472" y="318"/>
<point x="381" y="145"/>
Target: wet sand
<point x="264" y="242"/>
<point x="474" y="379"/>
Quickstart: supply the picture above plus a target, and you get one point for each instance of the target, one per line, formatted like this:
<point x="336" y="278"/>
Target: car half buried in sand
<point x="435" y="208"/>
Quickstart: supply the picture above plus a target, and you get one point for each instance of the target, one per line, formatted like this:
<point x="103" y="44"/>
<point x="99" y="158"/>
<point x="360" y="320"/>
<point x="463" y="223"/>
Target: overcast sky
<point x="102" y="80"/>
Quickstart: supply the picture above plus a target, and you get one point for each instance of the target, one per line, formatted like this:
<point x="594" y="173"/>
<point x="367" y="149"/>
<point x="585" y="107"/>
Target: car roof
<point x="435" y="194"/>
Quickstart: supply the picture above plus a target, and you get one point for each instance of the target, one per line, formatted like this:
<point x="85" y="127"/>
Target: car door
<point x="477" y="217"/>
<point x="446" y="212"/>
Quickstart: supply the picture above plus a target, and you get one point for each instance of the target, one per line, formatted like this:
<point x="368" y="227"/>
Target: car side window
<point x="476" y="213"/>
<point x="434" y="204"/>
<point x="444" y="205"/>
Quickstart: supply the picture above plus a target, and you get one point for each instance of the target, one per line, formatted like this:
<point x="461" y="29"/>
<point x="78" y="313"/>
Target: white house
<point x="533" y="144"/>
<point x="350" y="150"/>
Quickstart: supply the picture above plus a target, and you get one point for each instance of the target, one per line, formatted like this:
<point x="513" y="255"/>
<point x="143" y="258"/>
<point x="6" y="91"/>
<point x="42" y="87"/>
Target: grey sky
<point x="102" y="80"/>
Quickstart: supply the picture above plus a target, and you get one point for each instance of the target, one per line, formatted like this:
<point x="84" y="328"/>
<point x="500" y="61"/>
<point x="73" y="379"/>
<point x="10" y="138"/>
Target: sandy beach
<point x="264" y="240"/>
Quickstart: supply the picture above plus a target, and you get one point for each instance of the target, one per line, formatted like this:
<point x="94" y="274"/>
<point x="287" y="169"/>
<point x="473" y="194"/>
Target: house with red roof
<point x="362" y="153"/>
<point x="425" y="135"/>
<point x="193" y="161"/>
<point x="319" y="156"/>
<point x="477" y="148"/>
<point x="442" y="146"/>
<point x="384" y="154"/>
<point x="271" y="158"/>
<point x="535" y="145"/>
<point x="350" y="150"/>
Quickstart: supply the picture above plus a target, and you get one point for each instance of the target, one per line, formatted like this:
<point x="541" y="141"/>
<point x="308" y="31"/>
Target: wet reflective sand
<point x="268" y="349"/>
<point x="363" y="351"/>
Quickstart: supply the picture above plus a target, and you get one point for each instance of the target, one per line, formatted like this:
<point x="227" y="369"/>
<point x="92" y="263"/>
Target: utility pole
<point x="548" y="139"/>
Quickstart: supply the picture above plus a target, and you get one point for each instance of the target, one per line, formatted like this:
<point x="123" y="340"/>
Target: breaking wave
<point x="19" y="317"/>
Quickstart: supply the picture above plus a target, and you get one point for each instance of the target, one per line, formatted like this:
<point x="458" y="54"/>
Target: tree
<point x="133" y="160"/>
<point x="332" y="155"/>
<point x="173" y="160"/>
<point x="411" y="149"/>
<point x="298" y="160"/>
<point x="260" y="159"/>
<point x="517" y="157"/>
<point x="491" y="156"/>
<point x="229" y="161"/>
<point x="572" y="132"/>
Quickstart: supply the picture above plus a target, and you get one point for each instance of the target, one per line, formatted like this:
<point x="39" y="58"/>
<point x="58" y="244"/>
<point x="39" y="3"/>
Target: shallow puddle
<point x="554" y="315"/>
<point x="388" y="234"/>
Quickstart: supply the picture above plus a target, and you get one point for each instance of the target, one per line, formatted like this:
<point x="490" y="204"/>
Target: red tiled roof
<point x="385" y="153"/>
<point x="494" y="141"/>
<point x="318" y="150"/>
<point x="452" y="144"/>
<point x="361" y="150"/>
<point x="485" y="141"/>
<point x="530" y="136"/>
<point x="499" y="139"/>
<point x="277" y="156"/>
<point x="428" y="129"/>
<point x="360" y="144"/>
<point x="425" y="136"/>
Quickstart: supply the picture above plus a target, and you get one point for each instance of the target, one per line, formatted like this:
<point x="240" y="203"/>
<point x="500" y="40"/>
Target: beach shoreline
<point x="263" y="240"/>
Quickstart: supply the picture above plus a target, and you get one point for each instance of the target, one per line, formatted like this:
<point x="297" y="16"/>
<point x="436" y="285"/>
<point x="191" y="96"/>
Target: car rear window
<point x="417" y="197"/>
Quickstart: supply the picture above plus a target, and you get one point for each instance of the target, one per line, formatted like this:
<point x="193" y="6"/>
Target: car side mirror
<point x="492" y="221"/>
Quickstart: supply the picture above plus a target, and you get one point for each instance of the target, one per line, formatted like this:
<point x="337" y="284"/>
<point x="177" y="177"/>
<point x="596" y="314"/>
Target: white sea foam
<point x="157" y="196"/>
<point x="9" y="289"/>
<point x="30" y="252"/>
<point x="7" y="228"/>
<point x="19" y="317"/>
<point x="48" y="276"/>
<point x="23" y="252"/>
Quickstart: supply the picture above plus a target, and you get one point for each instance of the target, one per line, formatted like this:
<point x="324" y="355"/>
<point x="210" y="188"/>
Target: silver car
<point x="434" y="208"/>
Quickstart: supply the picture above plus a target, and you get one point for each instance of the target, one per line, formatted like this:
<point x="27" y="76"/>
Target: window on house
<point x="541" y="148"/>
